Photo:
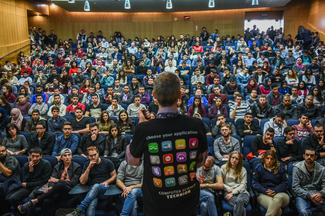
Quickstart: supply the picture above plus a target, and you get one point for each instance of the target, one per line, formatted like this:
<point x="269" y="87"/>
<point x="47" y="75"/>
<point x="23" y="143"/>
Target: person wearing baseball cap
<point x="64" y="177"/>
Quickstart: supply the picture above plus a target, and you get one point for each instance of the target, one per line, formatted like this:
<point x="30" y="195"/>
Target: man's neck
<point x="79" y="119"/>
<point x="95" y="105"/>
<point x="67" y="136"/>
<point x="40" y="135"/>
<point x="248" y="123"/>
<point x="226" y="139"/>
<point x="75" y="104"/>
<point x="136" y="105"/>
<point x="301" y="125"/>
<point x="310" y="167"/>
<point x="39" y="104"/>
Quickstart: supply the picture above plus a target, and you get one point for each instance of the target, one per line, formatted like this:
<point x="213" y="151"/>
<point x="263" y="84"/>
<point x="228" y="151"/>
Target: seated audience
<point x="216" y="94"/>
<point x="197" y="77"/>
<point x="87" y="98"/>
<point x="22" y="105"/>
<point x="42" y="139"/>
<point x="262" y="110"/>
<point x="270" y="181"/>
<point x="225" y="144"/>
<point x="264" y="142"/>
<point x="104" y="123"/>
<point x="36" y="173"/>
<point x="251" y="85"/>
<point x="214" y="111"/>
<point x="125" y="124"/>
<point x="85" y="87"/>
<point x="145" y="97"/>
<point x="209" y="176"/>
<point x="248" y="127"/>
<point x="278" y="123"/>
<point x="304" y="128"/>
<point x="115" y="108"/>
<point x="289" y="148"/>
<point x="238" y="110"/>
<point x="206" y="127"/>
<point x="126" y="97"/>
<point x="80" y="124"/>
<point x="309" y="192"/>
<point x="40" y="106"/>
<point x="265" y="88"/>
<point x="65" y="176"/>
<point x="286" y="108"/>
<point x="295" y="98"/>
<point x="39" y="91"/>
<point x="253" y="99"/>
<point x="65" y="140"/>
<point x="57" y="92"/>
<point x="99" y="173"/>
<point x="231" y="87"/>
<point x="234" y="177"/>
<point x="18" y="119"/>
<point x="93" y="139"/>
<point x="31" y="123"/>
<point x="318" y="96"/>
<point x="198" y="92"/>
<point x="302" y="89"/>
<point x="133" y="109"/>
<point x="7" y="93"/>
<point x="14" y="142"/>
<point x="95" y="108"/>
<point x="216" y="129"/>
<point x="57" y="103"/>
<point x="316" y="141"/>
<point x="196" y="108"/>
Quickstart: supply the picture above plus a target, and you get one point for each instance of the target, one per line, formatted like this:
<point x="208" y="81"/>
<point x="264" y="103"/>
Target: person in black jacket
<point x="286" y="108"/>
<point x="93" y="139"/>
<point x="126" y="97"/>
<point x="289" y="149"/>
<point x="262" y="110"/>
<point x="42" y="139"/>
<point x="309" y="109"/>
<point x="276" y="77"/>
<point x="262" y="143"/>
<point x="220" y="121"/>
<point x="248" y="127"/>
<point x="316" y="141"/>
<point x="278" y="61"/>
<point x="116" y="142"/>
<point x="64" y="177"/>
<point x="231" y="87"/>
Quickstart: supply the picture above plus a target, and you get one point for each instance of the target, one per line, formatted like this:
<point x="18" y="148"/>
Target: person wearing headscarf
<point x="4" y="119"/>
<point x="266" y="86"/>
<point x="266" y="66"/>
<point x="18" y="119"/>
<point x="251" y="85"/>
<point x="299" y="67"/>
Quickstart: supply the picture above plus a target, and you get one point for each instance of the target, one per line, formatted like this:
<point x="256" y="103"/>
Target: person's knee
<point x="211" y="197"/>
<point x="203" y="206"/>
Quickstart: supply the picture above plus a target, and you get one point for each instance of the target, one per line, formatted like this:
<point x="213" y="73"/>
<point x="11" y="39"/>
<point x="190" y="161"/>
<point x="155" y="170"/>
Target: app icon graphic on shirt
<point x="193" y="155"/>
<point x="192" y="165"/>
<point x="168" y="158"/>
<point x="157" y="182"/>
<point x="183" y="180"/>
<point x="169" y="170"/>
<point x="170" y="182"/>
<point x="194" y="143"/>
<point x="156" y="171"/>
<point x="180" y="144"/>
<point x="181" y="168"/>
<point x="181" y="156"/>
<point x="192" y="176"/>
<point x="154" y="159"/>
<point x="166" y="146"/>
<point x="153" y="147"/>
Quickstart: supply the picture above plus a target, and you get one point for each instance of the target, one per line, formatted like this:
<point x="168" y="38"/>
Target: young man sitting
<point x="133" y="109"/>
<point x="22" y="105"/>
<point x="42" y="139"/>
<point x="248" y="127"/>
<point x="80" y="124"/>
<point x="114" y="109"/>
<point x="31" y="123"/>
<point x="40" y="105"/>
<point x="96" y="108"/>
<point x="278" y="123"/>
<point x="75" y="104"/>
<point x="216" y="129"/>
<point x="58" y="103"/>
<point x="55" y="124"/>
<point x="304" y="128"/>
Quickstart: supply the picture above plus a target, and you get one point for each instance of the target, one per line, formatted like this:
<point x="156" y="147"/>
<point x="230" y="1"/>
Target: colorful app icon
<point x="157" y="182"/>
<point x="168" y="158"/>
<point x="153" y="147"/>
<point x="154" y="159"/>
<point x="181" y="168"/>
<point x="156" y="171"/>
<point x="193" y="155"/>
<point x="170" y="182"/>
<point x="194" y="143"/>
<point x="169" y="170"/>
<point x="180" y="144"/>
<point x="166" y="146"/>
<point x="183" y="180"/>
<point x="192" y="165"/>
<point x="192" y="176"/>
<point x="181" y="156"/>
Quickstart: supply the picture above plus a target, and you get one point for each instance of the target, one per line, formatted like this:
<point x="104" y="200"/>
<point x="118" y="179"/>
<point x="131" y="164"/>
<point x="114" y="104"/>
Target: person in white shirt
<point x="170" y="67"/>
<point x="197" y="77"/>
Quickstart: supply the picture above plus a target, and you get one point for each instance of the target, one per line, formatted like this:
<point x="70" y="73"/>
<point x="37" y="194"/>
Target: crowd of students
<point x="82" y="98"/>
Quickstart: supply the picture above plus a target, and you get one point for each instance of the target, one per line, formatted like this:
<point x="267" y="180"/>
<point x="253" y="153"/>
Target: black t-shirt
<point x="171" y="148"/>
<point x="100" y="172"/>
<point x="79" y="125"/>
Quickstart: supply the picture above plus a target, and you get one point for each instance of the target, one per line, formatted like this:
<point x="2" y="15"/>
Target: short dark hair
<point x="78" y="108"/>
<point x="274" y="85"/>
<point x="93" y="95"/>
<point x="318" y="125"/>
<point x="67" y="123"/>
<point x="36" y="150"/>
<point x="219" y="115"/>
<point x="288" y="129"/>
<point x="75" y="95"/>
<point x="310" y="149"/>
<point x="94" y="124"/>
<point x="55" y="108"/>
<point x="35" y="111"/>
<point x="248" y="113"/>
<point x="41" y="123"/>
<point x="39" y="95"/>
<point x="271" y="130"/>
<point x="281" y="115"/>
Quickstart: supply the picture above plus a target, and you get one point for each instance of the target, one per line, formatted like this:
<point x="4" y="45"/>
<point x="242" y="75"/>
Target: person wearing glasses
<point x="99" y="173"/>
<point x="209" y="176"/>
<point x="289" y="149"/>
<point x="42" y="139"/>
<point x="316" y="141"/>
<point x="234" y="177"/>
<point x="65" y="176"/>
<point x="65" y="140"/>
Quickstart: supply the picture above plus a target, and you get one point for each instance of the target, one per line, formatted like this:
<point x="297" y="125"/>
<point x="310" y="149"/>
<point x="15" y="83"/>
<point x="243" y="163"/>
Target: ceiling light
<point x="254" y="2"/>
<point x="53" y="5"/>
<point x="169" y="4"/>
<point x="87" y="6"/>
<point x="37" y="14"/>
<point x="127" y="4"/>
<point x="211" y="4"/>
<point x="70" y="1"/>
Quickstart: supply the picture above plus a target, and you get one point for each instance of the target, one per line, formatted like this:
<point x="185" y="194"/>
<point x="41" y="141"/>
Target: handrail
<point x="15" y="50"/>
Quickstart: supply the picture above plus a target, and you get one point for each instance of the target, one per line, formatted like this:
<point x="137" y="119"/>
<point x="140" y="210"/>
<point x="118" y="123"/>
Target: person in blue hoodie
<point x="243" y="78"/>
<point x="270" y="181"/>
<point x="284" y="89"/>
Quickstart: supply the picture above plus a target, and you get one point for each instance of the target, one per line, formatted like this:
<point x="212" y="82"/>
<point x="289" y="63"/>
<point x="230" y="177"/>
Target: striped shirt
<point x="240" y="111"/>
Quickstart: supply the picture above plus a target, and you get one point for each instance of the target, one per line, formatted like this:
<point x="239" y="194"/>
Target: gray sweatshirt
<point x="303" y="184"/>
<point x="133" y="110"/>
<point x="221" y="148"/>
<point x="43" y="108"/>
<point x="130" y="175"/>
